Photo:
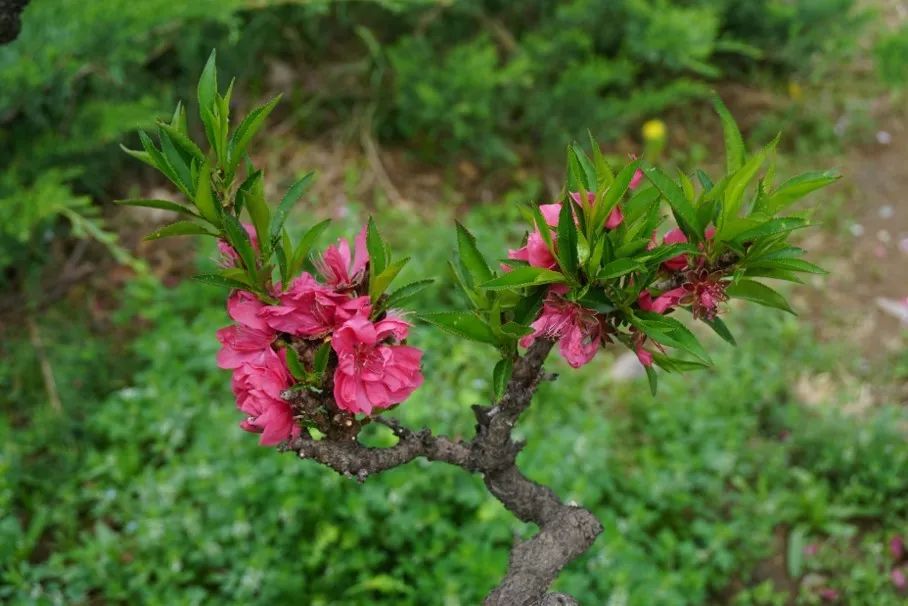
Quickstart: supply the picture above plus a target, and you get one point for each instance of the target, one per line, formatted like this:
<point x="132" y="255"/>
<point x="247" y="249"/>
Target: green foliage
<point x="158" y="498"/>
<point x="891" y="53"/>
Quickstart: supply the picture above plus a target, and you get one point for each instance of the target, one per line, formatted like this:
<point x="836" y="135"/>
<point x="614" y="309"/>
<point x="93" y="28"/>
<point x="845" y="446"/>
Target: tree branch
<point x="565" y="531"/>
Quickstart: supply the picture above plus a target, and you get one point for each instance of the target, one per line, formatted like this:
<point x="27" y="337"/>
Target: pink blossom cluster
<point x="579" y="331"/>
<point x="700" y="289"/>
<point x="372" y="368"/>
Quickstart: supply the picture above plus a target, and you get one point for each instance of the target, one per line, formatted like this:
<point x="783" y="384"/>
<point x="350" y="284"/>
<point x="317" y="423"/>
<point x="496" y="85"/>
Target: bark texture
<point x="10" y="24"/>
<point x="565" y="531"/>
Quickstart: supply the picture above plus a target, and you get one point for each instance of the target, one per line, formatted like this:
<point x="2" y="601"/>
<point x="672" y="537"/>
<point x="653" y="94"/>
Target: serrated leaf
<point x="618" y="268"/>
<point x="567" y="240"/>
<point x="181" y="140"/>
<point x="180" y="228"/>
<point x="794" y="189"/>
<point x="462" y="324"/>
<point x="175" y="161"/>
<point x="247" y="129"/>
<point x="653" y="379"/>
<point x="500" y="377"/>
<point x="204" y="197"/>
<point x="613" y="194"/>
<point x="322" y="355"/>
<point x="470" y="256"/>
<point x="604" y="176"/>
<point x="734" y="143"/>
<point x="406" y="293"/>
<point x="758" y="293"/>
<point x="292" y="196"/>
<point x="770" y="228"/>
<point x="798" y="265"/>
<point x="670" y="364"/>
<point x="207" y="89"/>
<point x="720" y="329"/>
<point x="251" y="195"/>
<point x="295" y="365"/>
<point x="377" y="249"/>
<point x="682" y="209"/>
<point x="305" y="245"/>
<point x="669" y="331"/>
<point x="219" y="280"/>
<point x="239" y="240"/>
<point x="158" y="204"/>
<point x="521" y="277"/>
<point x="380" y="283"/>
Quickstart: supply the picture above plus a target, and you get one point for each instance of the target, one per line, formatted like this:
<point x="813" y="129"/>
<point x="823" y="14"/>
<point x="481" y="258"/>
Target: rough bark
<point x="10" y="24"/>
<point x="565" y="531"/>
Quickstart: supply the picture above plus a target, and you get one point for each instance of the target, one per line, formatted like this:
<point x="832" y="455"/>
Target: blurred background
<point x="778" y="477"/>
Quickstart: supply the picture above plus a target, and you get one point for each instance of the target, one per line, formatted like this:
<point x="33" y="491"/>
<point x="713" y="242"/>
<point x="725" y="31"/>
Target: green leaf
<point x="798" y="265"/>
<point x="406" y="293"/>
<point x="589" y="172"/>
<point x="721" y="329"/>
<point x="613" y="194"/>
<point x="239" y="240"/>
<point x="670" y="364"/>
<point x="204" y="197"/>
<point x="737" y="184"/>
<point x="159" y="204"/>
<point x="183" y="141"/>
<point x="794" y="189"/>
<point x="567" y="240"/>
<point x="378" y="250"/>
<point x="758" y="293"/>
<point x="380" y="283"/>
<point x="295" y="365"/>
<point x="669" y="331"/>
<point x="500" y="377"/>
<point x="219" y="280"/>
<point x="175" y="161"/>
<point x="292" y="196"/>
<point x="322" y="355"/>
<point x="528" y="306"/>
<point x="305" y="245"/>
<point x="734" y="143"/>
<point x="604" y="176"/>
<point x="247" y="129"/>
<point x="683" y="210"/>
<point x="180" y="228"/>
<point x="770" y="228"/>
<point x="543" y="228"/>
<point x="795" y="560"/>
<point x="653" y="379"/>
<point x="462" y="324"/>
<point x="618" y="268"/>
<point x="251" y="195"/>
<point x="208" y="85"/>
<point x="472" y="259"/>
<point x="523" y="276"/>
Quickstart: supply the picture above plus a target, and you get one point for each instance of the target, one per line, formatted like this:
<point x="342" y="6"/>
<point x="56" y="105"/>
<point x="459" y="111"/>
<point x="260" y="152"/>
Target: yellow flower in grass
<point x="653" y="130"/>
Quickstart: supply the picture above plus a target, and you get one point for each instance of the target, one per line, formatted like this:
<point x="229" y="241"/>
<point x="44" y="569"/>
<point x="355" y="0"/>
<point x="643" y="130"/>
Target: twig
<point x="565" y="531"/>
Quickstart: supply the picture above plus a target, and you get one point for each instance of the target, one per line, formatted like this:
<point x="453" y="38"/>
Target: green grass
<point x="146" y="490"/>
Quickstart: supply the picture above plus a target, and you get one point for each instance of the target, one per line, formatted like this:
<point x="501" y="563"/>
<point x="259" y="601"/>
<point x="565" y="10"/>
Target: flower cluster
<point x="372" y="368"/>
<point x="581" y="331"/>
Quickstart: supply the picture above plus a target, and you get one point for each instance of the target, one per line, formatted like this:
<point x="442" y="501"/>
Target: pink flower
<point x="828" y="594"/>
<point x="679" y="262"/>
<point x="645" y="357"/>
<point x="373" y="371"/>
<point x="229" y="256"/>
<point x="898" y="578"/>
<point x="676" y="236"/>
<point x="577" y="329"/>
<point x="614" y="218"/>
<point x="248" y="340"/>
<point x="341" y="270"/>
<point x="706" y="291"/>
<point x="535" y="252"/>
<point x="312" y="310"/>
<point x="636" y="180"/>
<point x="663" y="303"/>
<point x="258" y="388"/>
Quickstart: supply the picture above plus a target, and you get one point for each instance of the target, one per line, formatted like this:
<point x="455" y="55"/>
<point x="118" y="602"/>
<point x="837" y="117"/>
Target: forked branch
<point x="565" y="531"/>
